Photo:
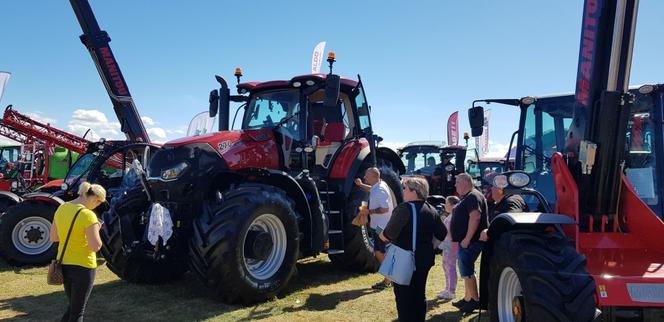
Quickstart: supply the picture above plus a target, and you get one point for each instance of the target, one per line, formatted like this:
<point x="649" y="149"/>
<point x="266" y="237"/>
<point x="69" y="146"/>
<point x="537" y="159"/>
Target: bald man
<point x="380" y="211"/>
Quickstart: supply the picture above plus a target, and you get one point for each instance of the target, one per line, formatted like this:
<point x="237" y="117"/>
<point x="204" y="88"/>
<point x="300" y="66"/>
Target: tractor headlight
<point x="500" y="181"/>
<point x="174" y="172"/>
<point x="14" y="185"/>
<point x="519" y="179"/>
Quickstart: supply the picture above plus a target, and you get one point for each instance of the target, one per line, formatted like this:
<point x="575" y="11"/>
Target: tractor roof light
<point x="647" y="89"/>
<point x="238" y="74"/>
<point x="331" y="56"/>
<point x="310" y="82"/>
<point x="297" y="84"/>
<point x="528" y="100"/>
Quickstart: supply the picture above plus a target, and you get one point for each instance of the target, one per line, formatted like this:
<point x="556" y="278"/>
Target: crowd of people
<point x="460" y="234"/>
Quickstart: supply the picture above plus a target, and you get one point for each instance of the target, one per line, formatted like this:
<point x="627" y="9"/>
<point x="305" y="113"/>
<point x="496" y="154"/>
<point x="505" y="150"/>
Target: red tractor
<point x="247" y="204"/>
<point x="598" y="255"/>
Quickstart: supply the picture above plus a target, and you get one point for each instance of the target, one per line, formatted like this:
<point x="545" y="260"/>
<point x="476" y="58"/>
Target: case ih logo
<point x="224" y="146"/>
<point x="113" y="71"/>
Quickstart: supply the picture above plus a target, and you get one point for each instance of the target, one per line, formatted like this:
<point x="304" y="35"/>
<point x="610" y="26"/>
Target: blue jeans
<point x="467" y="257"/>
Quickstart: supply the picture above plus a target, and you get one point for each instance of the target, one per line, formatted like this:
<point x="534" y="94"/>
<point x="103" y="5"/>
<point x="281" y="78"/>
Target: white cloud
<point x="148" y="121"/>
<point x="157" y="133"/>
<point x="40" y="117"/>
<point x="392" y="145"/>
<point x="98" y="124"/>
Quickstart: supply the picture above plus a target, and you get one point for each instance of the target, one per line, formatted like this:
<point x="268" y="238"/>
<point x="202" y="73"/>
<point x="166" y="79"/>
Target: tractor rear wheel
<point x="25" y="229"/>
<point x="539" y="275"/>
<point x="123" y="227"/>
<point x="245" y="244"/>
<point x="358" y="252"/>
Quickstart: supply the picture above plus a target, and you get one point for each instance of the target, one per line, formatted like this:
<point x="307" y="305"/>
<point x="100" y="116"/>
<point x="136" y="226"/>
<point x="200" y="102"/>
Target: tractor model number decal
<point x="224" y="146"/>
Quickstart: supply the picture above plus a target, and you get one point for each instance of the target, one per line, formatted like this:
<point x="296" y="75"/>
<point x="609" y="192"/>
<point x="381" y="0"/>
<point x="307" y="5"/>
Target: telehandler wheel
<point x="358" y="253"/>
<point x="539" y="275"/>
<point x="245" y="244"/>
<point x="135" y="267"/>
<point x="24" y="234"/>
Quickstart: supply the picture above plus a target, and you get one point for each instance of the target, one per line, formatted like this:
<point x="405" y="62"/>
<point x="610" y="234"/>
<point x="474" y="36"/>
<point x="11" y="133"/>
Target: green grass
<point x="318" y="292"/>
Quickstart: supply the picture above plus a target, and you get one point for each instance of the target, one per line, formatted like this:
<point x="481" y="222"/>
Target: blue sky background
<point x="419" y="60"/>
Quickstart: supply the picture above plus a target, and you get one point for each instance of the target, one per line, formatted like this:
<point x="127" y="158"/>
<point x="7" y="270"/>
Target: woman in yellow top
<point x="80" y="260"/>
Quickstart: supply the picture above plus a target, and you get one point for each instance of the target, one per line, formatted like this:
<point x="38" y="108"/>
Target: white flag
<point x="317" y="57"/>
<point x="4" y="77"/>
<point x="202" y="123"/>
<point x="484" y="138"/>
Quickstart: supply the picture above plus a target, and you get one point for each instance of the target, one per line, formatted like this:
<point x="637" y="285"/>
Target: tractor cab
<point x="545" y="122"/>
<point x="438" y="163"/>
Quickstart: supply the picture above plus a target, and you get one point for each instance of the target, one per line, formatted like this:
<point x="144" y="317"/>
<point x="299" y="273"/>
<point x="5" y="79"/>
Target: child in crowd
<point x="449" y="249"/>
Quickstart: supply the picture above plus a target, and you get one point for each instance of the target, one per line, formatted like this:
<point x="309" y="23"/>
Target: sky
<point x="419" y="60"/>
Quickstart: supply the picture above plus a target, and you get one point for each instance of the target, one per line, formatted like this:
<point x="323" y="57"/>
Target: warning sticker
<point x="602" y="291"/>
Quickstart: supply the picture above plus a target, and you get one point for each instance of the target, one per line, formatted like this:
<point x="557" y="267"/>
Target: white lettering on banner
<point x="483" y="142"/>
<point x="453" y="129"/>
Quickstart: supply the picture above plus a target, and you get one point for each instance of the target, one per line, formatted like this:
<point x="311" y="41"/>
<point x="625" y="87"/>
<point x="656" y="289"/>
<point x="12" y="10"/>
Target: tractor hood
<point x="239" y="149"/>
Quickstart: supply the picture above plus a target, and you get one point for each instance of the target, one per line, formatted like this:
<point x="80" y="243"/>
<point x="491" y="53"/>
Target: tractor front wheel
<point x="245" y="245"/>
<point x="123" y="228"/>
<point x="539" y="275"/>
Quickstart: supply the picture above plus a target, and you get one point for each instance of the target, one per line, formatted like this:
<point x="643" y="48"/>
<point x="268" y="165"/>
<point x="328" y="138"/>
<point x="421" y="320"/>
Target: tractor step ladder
<point x="335" y="218"/>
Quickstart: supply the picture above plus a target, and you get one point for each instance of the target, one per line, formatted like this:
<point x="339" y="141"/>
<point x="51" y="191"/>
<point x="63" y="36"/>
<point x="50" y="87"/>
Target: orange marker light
<point x="465" y="135"/>
<point x="238" y="71"/>
<point x="331" y="56"/>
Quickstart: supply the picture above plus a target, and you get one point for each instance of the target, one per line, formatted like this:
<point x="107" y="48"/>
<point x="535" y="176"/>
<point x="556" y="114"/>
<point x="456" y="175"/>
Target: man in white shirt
<point x="379" y="210"/>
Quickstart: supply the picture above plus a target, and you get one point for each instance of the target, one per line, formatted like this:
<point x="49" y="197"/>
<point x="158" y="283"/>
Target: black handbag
<point x="54" y="276"/>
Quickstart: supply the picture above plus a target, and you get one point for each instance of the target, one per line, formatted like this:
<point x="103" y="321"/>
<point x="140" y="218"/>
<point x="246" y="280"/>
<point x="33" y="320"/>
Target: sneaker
<point x="470" y="306"/>
<point x="381" y="285"/>
<point x="459" y="304"/>
<point x="445" y="295"/>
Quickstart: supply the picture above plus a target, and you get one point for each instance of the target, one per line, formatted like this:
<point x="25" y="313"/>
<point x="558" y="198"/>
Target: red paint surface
<point x="243" y="149"/>
<point x="615" y="259"/>
<point x="346" y="157"/>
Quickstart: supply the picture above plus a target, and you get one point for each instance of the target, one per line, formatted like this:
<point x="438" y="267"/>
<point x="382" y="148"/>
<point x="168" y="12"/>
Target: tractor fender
<point x="12" y="197"/>
<point x="43" y="197"/>
<point x="387" y="154"/>
<point x="307" y="203"/>
<point x="506" y="222"/>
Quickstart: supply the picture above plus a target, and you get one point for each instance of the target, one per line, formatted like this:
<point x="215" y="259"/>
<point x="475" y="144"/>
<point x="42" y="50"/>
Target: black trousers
<point x="411" y="301"/>
<point x="78" y="282"/>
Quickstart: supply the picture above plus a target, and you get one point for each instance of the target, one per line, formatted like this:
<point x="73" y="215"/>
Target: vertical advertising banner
<point x="453" y="129"/>
<point x="4" y="77"/>
<point x="202" y="123"/>
<point x="483" y="147"/>
<point x="317" y="57"/>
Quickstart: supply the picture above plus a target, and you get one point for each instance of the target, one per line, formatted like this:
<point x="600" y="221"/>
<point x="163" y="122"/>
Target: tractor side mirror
<point x="332" y="88"/>
<point x="476" y="120"/>
<point x="214" y="102"/>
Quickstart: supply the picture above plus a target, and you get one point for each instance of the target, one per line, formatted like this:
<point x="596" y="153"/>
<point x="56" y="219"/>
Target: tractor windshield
<point x="273" y="108"/>
<point x="421" y="160"/>
<point x="80" y="168"/>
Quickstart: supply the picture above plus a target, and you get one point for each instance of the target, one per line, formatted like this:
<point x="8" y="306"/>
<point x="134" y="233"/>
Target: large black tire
<point x="358" y="246"/>
<point x="135" y="267"/>
<point x="555" y="285"/>
<point x="218" y="255"/>
<point x="5" y="203"/>
<point x="24" y="233"/>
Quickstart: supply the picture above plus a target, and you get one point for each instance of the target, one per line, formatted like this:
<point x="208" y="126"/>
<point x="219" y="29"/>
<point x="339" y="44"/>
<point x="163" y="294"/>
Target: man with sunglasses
<point x="379" y="211"/>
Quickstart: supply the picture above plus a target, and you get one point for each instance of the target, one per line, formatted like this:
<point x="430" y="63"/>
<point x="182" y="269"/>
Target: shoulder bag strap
<point x="412" y="207"/>
<point x="64" y="248"/>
